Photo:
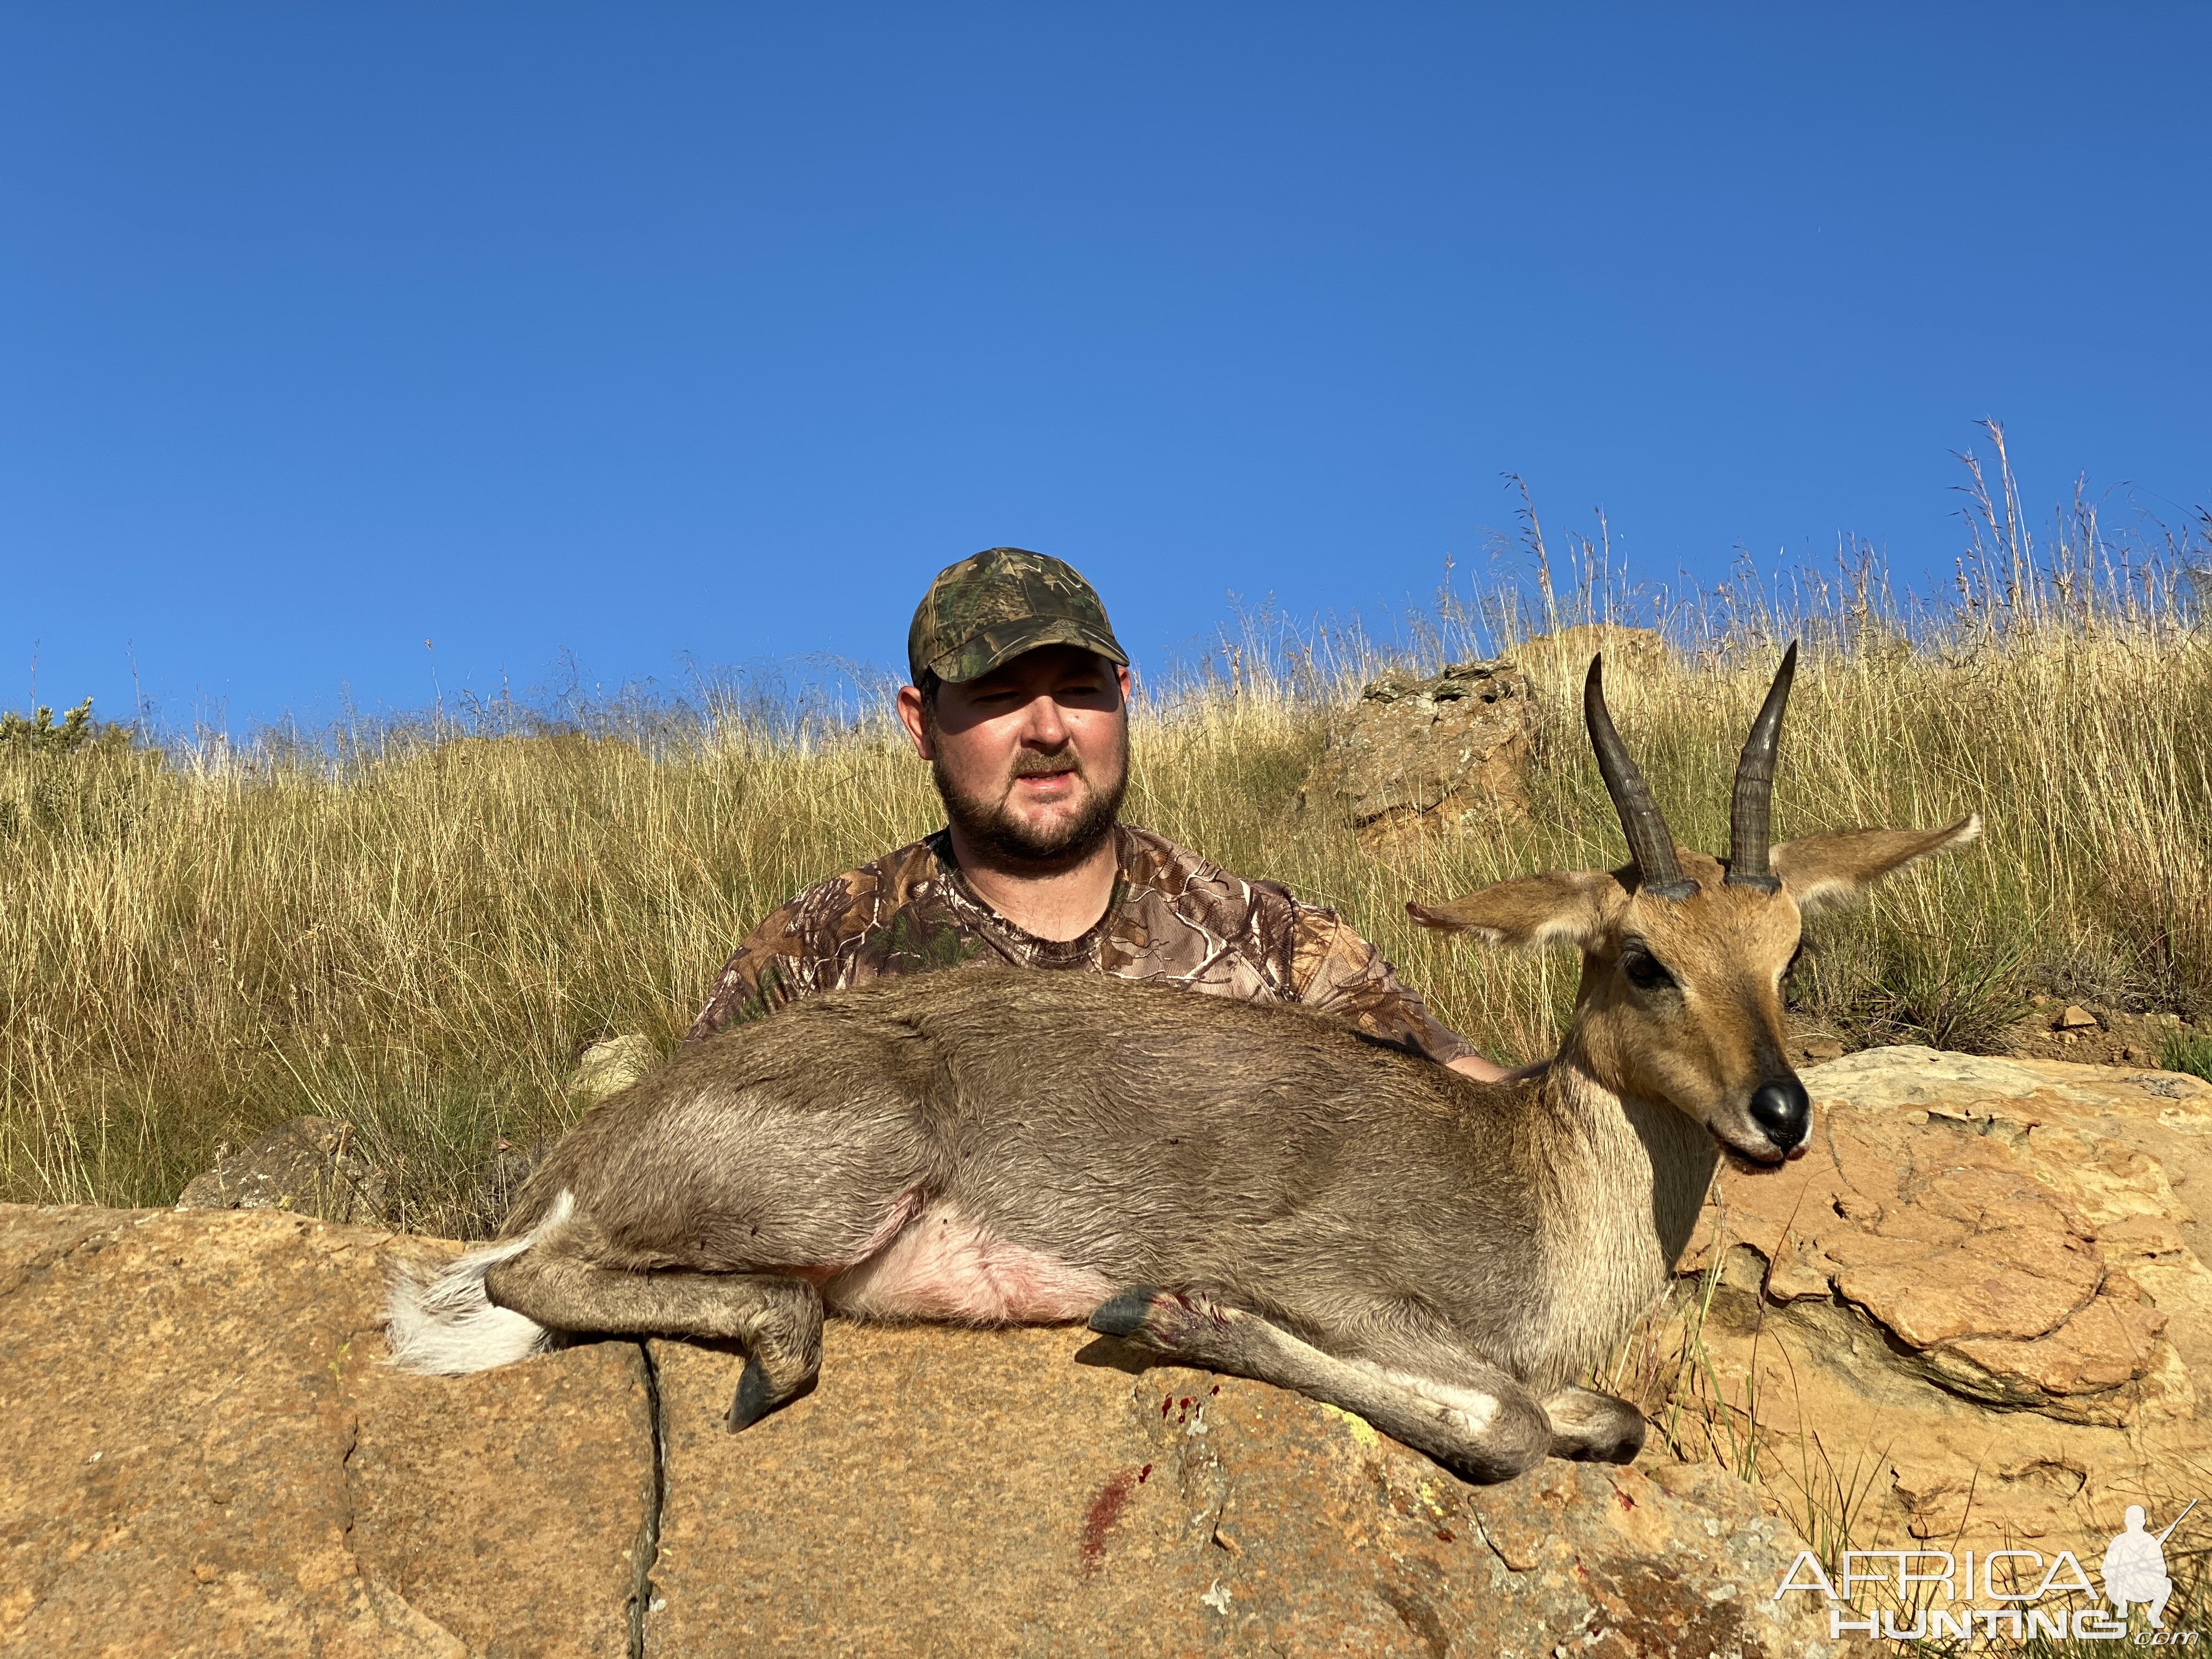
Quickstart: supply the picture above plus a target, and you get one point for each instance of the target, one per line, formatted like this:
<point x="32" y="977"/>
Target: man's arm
<point x="820" y="940"/>
<point x="1336" y="972"/>
<point x="765" y="975"/>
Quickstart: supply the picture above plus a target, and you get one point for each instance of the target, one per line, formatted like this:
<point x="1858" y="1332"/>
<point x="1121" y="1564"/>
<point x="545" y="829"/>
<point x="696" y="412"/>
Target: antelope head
<point x="1684" y="954"/>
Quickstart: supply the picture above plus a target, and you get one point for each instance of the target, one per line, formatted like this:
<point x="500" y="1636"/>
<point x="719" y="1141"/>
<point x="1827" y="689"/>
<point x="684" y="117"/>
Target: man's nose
<point x="1044" y="728"/>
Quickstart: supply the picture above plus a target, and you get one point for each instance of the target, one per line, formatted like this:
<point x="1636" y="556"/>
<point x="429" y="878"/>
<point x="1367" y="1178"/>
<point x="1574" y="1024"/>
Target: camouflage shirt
<point x="1174" y="918"/>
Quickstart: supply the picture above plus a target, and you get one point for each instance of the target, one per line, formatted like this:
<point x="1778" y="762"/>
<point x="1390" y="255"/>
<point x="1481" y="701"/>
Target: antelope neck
<point x="1624" y="1181"/>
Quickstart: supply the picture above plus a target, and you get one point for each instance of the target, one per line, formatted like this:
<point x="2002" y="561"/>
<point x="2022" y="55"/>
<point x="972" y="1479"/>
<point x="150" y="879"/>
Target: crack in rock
<point x="642" y="1601"/>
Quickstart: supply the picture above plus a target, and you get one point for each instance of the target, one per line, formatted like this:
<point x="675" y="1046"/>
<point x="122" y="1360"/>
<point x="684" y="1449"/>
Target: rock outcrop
<point x="311" y="1165"/>
<point x="1418" y="754"/>
<point x="1628" y="650"/>
<point x="200" y="1451"/>
<point x="1980" y="1306"/>
<point x="609" y="1066"/>
<point x="1030" y="1491"/>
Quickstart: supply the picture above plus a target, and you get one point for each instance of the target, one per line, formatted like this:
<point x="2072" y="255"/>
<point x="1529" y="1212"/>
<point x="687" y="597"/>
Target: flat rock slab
<point x="1043" y="1492"/>
<point x="200" y="1452"/>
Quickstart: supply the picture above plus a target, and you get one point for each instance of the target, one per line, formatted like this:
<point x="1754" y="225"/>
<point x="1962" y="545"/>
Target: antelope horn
<point x="1751" y="809"/>
<point x="1651" y="843"/>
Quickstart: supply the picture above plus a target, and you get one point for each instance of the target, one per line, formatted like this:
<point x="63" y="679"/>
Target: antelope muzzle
<point x="1783" y="1112"/>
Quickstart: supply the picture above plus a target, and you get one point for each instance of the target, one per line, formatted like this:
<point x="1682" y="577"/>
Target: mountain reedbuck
<point x="1249" y="1189"/>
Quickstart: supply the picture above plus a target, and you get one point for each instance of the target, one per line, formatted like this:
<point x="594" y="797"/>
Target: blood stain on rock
<point x="1098" y="1520"/>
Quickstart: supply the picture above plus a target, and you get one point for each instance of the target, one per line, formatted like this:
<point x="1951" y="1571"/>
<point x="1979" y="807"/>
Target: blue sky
<point x="658" y="334"/>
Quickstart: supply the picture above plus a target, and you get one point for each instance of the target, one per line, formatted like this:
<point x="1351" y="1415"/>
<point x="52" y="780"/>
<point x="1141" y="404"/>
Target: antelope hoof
<point x="1188" y="1327"/>
<point x="1623" y="1448"/>
<point x="1591" y="1427"/>
<point x="1123" y="1315"/>
<point x="753" y="1401"/>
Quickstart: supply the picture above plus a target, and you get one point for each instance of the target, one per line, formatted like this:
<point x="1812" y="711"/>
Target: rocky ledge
<point x="202" y="1452"/>
<point x="1976" y="1312"/>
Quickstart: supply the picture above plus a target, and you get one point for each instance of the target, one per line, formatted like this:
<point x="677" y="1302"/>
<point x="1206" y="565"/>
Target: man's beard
<point x="991" y="827"/>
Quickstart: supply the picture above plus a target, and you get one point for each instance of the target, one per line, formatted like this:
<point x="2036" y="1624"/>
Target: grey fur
<point x="443" y="1322"/>
<point x="1357" y="1218"/>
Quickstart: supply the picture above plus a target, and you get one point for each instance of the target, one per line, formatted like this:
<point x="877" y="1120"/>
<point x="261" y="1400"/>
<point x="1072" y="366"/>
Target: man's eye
<point x="1644" y="970"/>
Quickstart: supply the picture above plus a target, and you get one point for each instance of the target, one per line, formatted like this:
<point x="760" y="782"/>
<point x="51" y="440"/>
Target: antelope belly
<point x="942" y="1266"/>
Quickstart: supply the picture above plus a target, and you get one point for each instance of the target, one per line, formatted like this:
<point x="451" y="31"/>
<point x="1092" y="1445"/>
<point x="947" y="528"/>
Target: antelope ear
<point x="1560" y="906"/>
<point x="1822" y="869"/>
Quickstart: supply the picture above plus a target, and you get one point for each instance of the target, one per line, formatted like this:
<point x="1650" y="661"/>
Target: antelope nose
<point x="1783" y="1109"/>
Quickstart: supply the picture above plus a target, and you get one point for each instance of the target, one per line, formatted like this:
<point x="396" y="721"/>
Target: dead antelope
<point x="1245" y="1188"/>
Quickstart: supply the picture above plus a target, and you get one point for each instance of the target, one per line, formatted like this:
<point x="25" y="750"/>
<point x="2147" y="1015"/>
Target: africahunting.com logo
<point x="2005" y="1595"/>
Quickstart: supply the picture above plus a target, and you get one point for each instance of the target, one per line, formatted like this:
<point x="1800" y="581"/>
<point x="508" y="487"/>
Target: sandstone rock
<point x="1981" y="1298"/>
<point x="1438" y="753"/>
<point x="608" y="1068"/>
<point x="310" y="1165"/>
<point x="1633" y="650"/>
<point x="2073" y="1018"/>
<point x="200" y="1451"/>
<point x="1040" y="1492"/>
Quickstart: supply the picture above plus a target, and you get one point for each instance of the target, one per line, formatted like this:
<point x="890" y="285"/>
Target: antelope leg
<point x="777" y="1318"/>
<point x="1480" y="1424"/>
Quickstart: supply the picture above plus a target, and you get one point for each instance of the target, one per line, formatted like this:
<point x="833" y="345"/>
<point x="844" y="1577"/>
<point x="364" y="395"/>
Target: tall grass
<point x="417" y="927"/>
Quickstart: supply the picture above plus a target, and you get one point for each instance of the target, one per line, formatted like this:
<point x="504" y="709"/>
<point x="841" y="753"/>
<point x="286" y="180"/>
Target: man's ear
<point x="912" y="717"/>
<point x="1822" y="869"/>
<point x="1560" y="906"/>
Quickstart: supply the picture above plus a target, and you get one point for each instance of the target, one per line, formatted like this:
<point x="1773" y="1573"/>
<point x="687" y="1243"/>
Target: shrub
<point x="39" y="735"/>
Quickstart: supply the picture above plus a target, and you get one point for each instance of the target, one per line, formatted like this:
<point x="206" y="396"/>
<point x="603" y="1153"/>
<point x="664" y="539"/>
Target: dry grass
<point x="421" y="939"/>
<point x="418" y="932"/>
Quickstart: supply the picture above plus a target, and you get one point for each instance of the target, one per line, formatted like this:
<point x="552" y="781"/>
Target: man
<point x="1020" y="705"/>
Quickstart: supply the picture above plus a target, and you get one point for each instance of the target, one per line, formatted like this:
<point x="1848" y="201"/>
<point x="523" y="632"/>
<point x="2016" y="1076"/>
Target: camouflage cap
<point x="988" y="610"/>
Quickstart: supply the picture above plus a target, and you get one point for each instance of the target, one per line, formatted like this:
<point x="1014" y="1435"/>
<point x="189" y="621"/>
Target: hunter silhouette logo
<point x="2134" y="1567"/>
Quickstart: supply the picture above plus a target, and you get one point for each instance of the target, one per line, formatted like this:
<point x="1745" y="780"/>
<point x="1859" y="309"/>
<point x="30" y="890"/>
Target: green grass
<point x="2190" y="1052"/>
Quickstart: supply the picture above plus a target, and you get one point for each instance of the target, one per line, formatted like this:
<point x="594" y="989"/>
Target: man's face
<point x="1031" y="758"/>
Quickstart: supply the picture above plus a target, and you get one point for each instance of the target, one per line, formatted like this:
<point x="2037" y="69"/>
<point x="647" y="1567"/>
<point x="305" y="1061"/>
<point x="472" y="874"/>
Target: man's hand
<point x="1488" y="1071"/>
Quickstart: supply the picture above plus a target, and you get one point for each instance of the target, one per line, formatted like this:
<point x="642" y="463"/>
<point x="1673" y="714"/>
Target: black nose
<point x="1783" y="1109"/>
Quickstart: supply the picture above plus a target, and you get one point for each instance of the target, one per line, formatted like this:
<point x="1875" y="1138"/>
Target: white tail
<point x="443" y="1323"/>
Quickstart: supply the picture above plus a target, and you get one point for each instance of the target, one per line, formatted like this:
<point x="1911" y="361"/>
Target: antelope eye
<point x="1644" y="970"/>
